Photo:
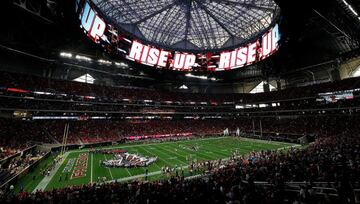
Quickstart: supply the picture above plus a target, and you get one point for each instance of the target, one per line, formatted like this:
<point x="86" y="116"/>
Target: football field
<point x="170" y="154"/>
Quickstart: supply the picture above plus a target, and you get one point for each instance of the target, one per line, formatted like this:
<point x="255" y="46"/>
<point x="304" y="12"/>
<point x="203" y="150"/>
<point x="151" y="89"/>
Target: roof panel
<point x="206" y="24"/>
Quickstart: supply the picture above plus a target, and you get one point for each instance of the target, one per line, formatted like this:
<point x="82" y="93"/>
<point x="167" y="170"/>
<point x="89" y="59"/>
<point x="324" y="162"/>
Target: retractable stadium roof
<point x="192" y="24"/>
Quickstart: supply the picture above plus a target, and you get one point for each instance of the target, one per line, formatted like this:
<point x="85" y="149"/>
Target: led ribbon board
<point x="116" y="42"/>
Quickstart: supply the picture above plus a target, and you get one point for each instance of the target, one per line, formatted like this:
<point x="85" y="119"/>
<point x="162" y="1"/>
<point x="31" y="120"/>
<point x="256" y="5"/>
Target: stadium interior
<point x="180" y="101"/>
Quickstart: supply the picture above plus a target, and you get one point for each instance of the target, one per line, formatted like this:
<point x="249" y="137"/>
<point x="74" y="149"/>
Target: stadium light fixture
<point x="195" y="76"/>
<point x="200" y="77"/>
<point x="121" y="50"/>
<point x="127" y="40"/>
<point x="43" y="93"/>
<point x="101" y="61"/>
<point x="80" y="57"/>
<point x="122" y="64"/>
<point x="66" y="54"/>
<point x="351" y="9"/>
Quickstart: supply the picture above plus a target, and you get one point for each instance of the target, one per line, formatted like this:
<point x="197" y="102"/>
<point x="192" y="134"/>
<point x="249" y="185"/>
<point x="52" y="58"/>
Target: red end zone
<point x="80" y="166"/>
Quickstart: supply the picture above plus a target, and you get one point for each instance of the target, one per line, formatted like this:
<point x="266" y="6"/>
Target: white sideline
<point x="139" y="176"/>
<point x="45" y="181"/>
<point x="91" y="170"/>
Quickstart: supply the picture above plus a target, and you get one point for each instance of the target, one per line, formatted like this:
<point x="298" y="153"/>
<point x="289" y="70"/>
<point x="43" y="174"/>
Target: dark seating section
<point x="18" y="134"/>
<point x="34" y="83"/>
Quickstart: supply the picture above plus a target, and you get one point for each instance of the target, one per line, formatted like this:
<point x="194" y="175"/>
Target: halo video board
<point x="117" y="42"/>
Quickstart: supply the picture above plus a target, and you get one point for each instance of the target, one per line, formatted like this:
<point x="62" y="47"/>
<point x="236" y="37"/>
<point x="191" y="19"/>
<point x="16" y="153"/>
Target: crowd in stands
<point x="19" y="163"/>
<point x="19" y="134"/>
<point x="12" y="167"/>
<point x="49" y="96"/>
<point x="34" y="104"/>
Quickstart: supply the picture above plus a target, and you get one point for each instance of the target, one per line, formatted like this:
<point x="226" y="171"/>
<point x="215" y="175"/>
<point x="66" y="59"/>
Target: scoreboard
<point x="116" y="42"/>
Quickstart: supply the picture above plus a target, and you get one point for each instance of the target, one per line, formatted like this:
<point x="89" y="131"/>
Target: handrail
<point x="15" y="154"/>
<point x="155" y="102"/>
<point x="180" y="113"/>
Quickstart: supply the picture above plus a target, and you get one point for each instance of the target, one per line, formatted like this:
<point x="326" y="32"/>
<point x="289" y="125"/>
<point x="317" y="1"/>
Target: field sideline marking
<point x="92" y="166"/>
<point x="288" y="147"/>
<point x="47" y="179"/>
<point x="141" y="176"/>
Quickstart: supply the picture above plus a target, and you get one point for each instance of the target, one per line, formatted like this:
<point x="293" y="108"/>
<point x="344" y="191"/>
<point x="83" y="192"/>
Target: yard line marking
<point x="141" y="176"/>
<point x="128" y="171"/>
<point x="288" y="147"/>
<point x="174" y="153"/>
<point x="112" y="178"/>
<point x="197" y="153"/>
<point x="152" y="154"/>
<point x="92" y="166"/>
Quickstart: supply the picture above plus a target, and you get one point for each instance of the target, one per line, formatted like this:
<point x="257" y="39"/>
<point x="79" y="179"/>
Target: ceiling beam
<point x="157" y="12"/>
<point x="215" y="18"/>
<point x="247" y="5"/>
<point x="188" y="17"/>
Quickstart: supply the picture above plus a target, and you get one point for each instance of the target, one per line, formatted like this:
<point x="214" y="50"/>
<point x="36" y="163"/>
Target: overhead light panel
<point x="66" y="54"/>
<point x="101" y="61"/>
<point x="80" y="57"/>
<point x="351" y="9"/>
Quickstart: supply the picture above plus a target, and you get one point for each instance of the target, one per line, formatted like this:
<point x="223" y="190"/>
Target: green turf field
<point x="169" y="154"/>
